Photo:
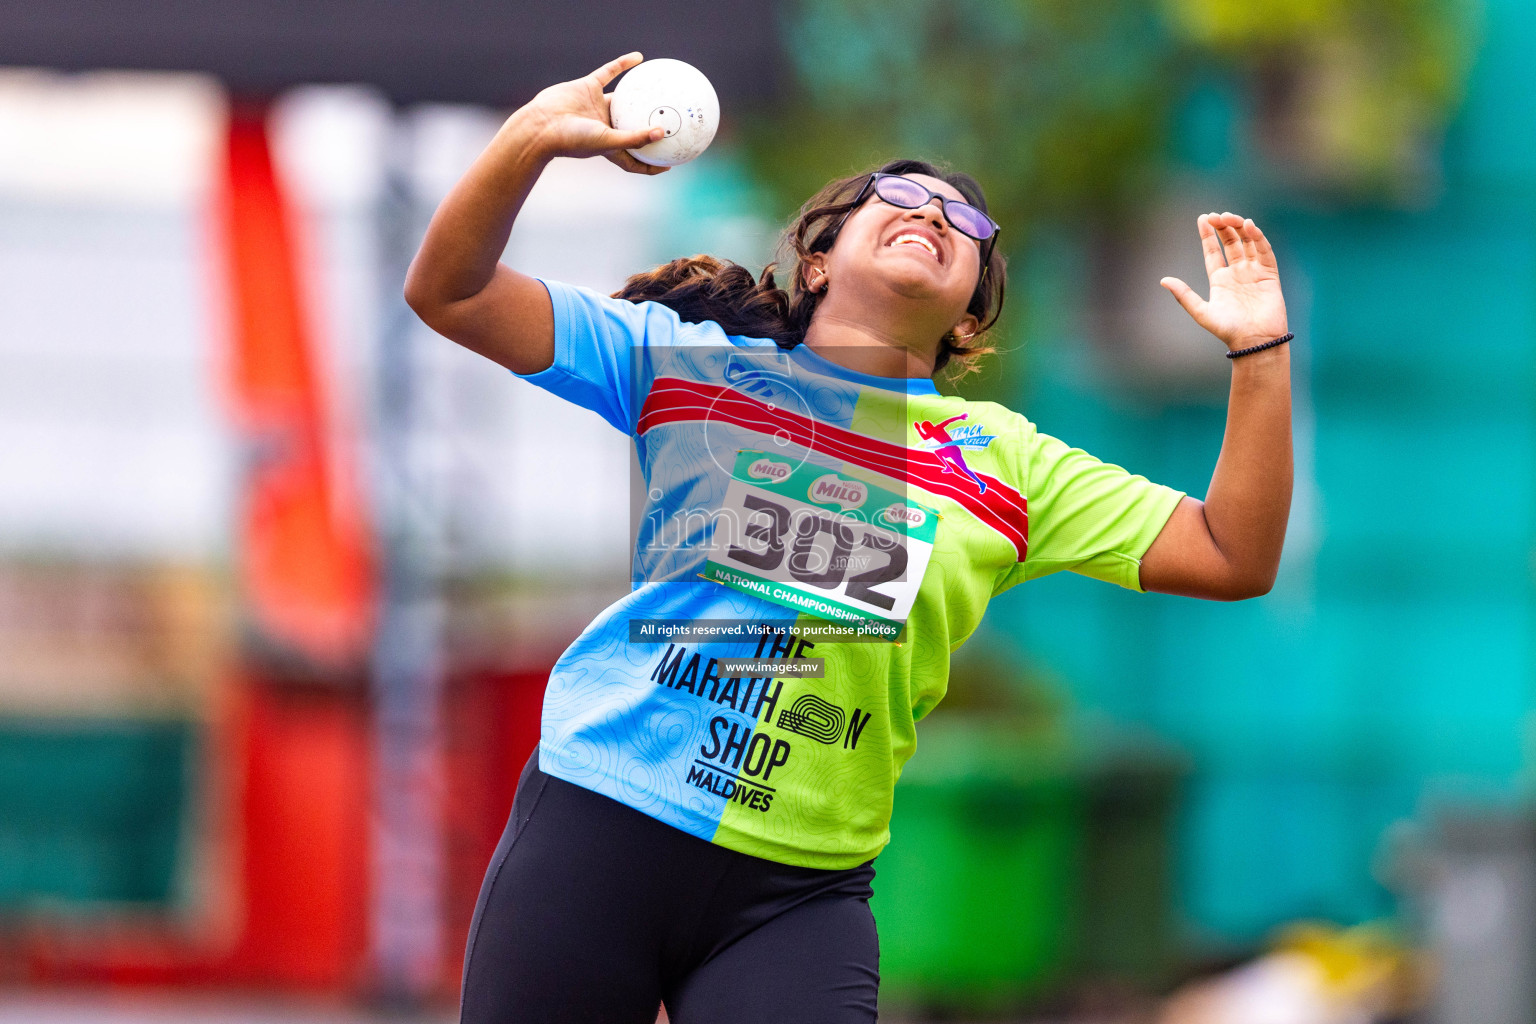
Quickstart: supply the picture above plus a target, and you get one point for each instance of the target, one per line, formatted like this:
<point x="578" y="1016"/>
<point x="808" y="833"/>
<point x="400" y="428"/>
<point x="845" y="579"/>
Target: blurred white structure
<point x="112" y="438"/>
<point x="112" y="442"/>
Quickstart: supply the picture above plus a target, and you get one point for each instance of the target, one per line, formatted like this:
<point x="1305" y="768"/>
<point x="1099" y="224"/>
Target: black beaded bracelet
<point x="1260" y="348"/>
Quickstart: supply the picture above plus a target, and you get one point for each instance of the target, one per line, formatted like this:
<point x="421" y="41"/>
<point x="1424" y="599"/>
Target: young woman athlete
<point x="703" y="836"/>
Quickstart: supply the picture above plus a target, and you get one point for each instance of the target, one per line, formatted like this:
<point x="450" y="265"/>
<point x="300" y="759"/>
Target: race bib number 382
<point x="821" y="542"/>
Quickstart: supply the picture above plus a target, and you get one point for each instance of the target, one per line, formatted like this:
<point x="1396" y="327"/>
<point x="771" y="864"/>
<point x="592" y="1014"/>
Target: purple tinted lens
<point x="899" y="191"/>
<point x="969" y="220"/>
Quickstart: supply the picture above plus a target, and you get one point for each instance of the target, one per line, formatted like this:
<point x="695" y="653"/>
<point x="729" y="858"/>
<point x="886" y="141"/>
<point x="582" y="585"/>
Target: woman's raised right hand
<point x="572" y="119"/>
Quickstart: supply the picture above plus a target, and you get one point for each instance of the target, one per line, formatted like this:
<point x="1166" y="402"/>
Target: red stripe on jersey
<point x="675" y="400"/>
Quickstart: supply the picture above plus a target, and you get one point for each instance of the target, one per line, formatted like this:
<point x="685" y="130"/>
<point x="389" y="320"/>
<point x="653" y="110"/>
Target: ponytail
<point x="702" y="288"/>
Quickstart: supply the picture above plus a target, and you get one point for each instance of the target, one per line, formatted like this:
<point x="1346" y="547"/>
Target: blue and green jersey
<point x="801" y="513"/>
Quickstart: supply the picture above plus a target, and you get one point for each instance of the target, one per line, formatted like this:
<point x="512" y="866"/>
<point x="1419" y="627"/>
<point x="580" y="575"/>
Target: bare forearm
<point x="456" y="284"/>
<point x="1249" y="500"/>
<point x="1228" y="548"/>
<point x="469" y="232"/>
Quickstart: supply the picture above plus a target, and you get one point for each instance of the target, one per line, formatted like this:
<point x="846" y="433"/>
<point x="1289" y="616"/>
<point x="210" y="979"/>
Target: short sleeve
<point x="600" y="345"/>
<point x="1088" y="516"/>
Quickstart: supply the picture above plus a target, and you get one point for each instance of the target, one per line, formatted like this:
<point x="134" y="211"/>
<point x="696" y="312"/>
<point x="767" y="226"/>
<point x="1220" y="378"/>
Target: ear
<point x="813" y="271"/>
<point x="965" y="328"/>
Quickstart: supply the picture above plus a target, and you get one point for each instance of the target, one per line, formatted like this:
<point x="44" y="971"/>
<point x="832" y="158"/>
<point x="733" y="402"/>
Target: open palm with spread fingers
<point x="1245" y="307"/>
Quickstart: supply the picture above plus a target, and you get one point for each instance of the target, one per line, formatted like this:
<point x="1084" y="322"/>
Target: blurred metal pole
<point x="1469" y="875"/>
<point x="408" y="664"/>
<point x="1482" y="917"/>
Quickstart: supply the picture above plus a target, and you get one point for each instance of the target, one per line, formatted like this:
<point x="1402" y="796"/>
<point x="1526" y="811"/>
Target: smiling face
<point x="914" y="259"/>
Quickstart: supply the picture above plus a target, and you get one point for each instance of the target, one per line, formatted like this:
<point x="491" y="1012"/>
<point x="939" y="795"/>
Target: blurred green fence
<point x="92" y="812"/>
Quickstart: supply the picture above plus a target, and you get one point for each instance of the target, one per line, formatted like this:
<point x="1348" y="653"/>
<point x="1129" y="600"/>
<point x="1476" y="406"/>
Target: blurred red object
<point x="491" y="728"/>
<point x="295" y="761"/>
<point x="288" y="908"/>
<point x="280" y="900"/>
<point x="306" y="571"/>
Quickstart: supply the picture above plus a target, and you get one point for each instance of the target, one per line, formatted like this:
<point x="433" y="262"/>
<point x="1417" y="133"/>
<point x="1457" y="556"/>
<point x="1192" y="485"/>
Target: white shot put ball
<point x="670" y="94"/>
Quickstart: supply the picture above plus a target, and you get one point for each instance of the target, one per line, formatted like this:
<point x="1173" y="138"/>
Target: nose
<point x="933" y="211"/>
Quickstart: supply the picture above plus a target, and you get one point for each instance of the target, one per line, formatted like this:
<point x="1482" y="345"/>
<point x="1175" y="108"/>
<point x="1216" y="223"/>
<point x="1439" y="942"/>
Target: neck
<point x="863" y="348"/>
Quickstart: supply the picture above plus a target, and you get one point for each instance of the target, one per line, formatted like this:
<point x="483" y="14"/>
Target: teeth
<point x="915" y="240"/>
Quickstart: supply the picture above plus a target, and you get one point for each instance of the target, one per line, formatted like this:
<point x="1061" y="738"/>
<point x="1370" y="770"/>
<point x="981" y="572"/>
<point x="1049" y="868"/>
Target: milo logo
<point x="896" y="512"/>
<point x="767" y="469"/>
<point x="833" y="489"/>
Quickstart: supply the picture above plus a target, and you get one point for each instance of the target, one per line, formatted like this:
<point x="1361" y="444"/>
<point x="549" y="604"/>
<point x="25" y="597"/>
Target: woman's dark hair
<point x="700" y="288"/>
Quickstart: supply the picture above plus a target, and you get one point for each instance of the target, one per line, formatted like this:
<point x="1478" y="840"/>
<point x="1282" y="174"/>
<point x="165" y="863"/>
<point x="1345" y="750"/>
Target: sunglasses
<point x="911" y="195"/>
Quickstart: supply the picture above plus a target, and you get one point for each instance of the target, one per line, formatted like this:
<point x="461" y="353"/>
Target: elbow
<point x="1243" y="588"/>
<point x="428" y="298"/>
<point x="417" y="295"/>
<point x="1250" y="591"/>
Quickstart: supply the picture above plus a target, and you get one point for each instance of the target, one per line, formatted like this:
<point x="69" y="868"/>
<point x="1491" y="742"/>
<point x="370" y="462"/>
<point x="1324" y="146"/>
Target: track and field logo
<point x="824" y="722"/>
<point x="946" y="444"/>
<point x="811" y="716"/>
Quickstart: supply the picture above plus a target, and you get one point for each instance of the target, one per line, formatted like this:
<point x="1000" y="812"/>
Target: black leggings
<point x="593" y="911"/>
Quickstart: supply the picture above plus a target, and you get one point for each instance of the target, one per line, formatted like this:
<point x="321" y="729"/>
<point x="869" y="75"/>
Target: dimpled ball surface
<point x="670" y="94"/>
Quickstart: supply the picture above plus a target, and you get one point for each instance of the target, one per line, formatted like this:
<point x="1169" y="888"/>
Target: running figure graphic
<point x="947" y="449"/>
